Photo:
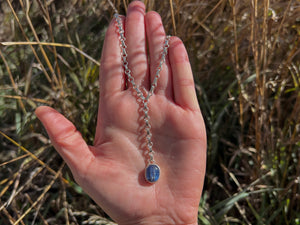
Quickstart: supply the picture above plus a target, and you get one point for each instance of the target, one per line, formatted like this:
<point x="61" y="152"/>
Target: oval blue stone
<point x="152" y="173"/>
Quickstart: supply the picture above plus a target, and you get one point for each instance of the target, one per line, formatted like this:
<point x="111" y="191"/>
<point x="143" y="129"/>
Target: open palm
<point x="112" y="171"/>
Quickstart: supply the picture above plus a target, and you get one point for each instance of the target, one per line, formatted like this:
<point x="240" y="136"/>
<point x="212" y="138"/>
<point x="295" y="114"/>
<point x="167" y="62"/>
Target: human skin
<point x="111" y="171"/>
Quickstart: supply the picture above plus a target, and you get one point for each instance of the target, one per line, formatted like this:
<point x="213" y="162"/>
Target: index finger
<point x="111" y="78"/>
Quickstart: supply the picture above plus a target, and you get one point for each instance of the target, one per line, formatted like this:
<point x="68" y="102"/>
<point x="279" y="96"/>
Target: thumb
<point x="65" y="138"/>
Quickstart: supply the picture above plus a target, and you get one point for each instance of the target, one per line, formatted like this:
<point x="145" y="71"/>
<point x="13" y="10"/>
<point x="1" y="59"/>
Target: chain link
<point x="144" y="99"/>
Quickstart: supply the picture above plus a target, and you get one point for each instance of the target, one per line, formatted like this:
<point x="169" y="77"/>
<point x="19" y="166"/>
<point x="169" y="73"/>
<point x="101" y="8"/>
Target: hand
<point x="112" y="171"/>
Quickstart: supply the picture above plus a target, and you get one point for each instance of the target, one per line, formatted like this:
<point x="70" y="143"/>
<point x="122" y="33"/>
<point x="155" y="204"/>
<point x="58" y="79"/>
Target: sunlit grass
<point x="245" y="58"/>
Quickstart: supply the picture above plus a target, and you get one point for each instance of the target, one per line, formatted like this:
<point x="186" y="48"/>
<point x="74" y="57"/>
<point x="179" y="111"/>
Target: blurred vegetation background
<point x="245" y="57"/>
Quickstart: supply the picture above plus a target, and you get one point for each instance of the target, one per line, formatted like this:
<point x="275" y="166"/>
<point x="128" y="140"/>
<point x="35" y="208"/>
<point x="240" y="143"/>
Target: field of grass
<point x="246" y="61"/>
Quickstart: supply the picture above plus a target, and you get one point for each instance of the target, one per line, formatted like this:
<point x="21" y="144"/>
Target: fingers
<point x="65" y="138"/>
<point x="156" y="37"/>
<point x="183" y="81"/>
<point x="136" y="42"/>
<point x="175" y="79"/>
<point x="111" y="73"/>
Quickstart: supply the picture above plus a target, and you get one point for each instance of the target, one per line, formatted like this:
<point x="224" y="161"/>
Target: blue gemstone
<point x="152" y="173"/>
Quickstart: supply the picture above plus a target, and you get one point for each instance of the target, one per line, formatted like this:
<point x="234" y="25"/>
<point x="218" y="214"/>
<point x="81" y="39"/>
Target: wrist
<point x="157" y="222"/>
<point x="161" y="220"/>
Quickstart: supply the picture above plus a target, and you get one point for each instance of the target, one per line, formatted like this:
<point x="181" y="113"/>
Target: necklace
<point x="152" y="170"/>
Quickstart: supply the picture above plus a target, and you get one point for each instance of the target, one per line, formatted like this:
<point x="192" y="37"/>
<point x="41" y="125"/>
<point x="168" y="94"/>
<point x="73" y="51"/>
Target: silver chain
<point x="144" y="99"/>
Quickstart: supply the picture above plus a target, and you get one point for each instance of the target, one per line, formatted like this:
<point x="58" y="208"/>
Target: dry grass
<point x="245" y="57"/>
